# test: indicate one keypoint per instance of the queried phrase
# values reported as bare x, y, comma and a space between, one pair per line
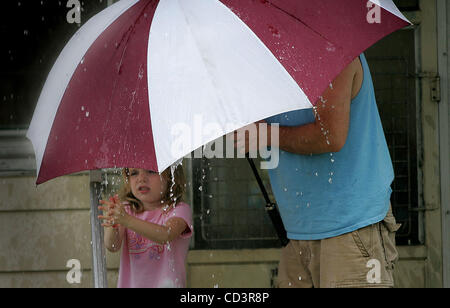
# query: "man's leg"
293, 271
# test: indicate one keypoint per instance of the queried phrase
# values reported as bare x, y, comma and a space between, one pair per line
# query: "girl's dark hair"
176, 184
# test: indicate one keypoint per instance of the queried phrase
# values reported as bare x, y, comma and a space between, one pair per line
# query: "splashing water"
173, 167
141, 72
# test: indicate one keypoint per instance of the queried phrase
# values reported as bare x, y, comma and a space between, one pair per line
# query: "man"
332, 186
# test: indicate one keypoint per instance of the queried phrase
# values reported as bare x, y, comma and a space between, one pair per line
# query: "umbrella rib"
302, 22
128, 33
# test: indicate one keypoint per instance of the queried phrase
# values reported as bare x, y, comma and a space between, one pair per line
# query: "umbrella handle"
270, 207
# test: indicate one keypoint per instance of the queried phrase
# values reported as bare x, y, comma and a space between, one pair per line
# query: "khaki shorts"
362, 258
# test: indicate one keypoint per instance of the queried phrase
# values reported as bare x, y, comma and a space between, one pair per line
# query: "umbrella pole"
98, 246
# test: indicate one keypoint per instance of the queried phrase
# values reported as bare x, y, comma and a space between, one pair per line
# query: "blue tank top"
326, 195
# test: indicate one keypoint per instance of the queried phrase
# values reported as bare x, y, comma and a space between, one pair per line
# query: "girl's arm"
160, 234
113, 238
116, 214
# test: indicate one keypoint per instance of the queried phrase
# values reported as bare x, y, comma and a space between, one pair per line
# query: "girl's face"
147, 186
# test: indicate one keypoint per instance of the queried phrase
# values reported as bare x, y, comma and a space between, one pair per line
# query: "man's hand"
251, 137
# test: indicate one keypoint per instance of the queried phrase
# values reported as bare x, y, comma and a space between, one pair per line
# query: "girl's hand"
113, 212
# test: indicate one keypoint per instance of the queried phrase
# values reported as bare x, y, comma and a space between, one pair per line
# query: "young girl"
153, 225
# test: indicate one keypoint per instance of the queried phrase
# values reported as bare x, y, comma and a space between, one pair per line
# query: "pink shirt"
146, 264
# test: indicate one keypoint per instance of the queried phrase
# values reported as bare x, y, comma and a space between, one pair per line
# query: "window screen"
392, 64
229, 207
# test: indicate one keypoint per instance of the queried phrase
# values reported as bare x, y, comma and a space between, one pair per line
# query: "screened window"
393, 68
229, 207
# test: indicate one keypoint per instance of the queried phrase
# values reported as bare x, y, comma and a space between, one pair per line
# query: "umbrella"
139, 68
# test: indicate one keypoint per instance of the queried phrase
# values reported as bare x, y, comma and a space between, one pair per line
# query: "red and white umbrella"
139, 67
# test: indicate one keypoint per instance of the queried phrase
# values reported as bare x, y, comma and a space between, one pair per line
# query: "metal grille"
229, 206
393, 67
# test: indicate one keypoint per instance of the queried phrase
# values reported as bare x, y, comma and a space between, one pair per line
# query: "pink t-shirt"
146, 264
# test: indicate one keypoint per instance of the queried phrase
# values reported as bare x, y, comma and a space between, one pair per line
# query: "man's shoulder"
358, 76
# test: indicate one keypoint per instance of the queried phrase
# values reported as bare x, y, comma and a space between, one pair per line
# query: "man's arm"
329, 132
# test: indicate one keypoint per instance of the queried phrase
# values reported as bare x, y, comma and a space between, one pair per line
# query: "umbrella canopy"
138, 68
